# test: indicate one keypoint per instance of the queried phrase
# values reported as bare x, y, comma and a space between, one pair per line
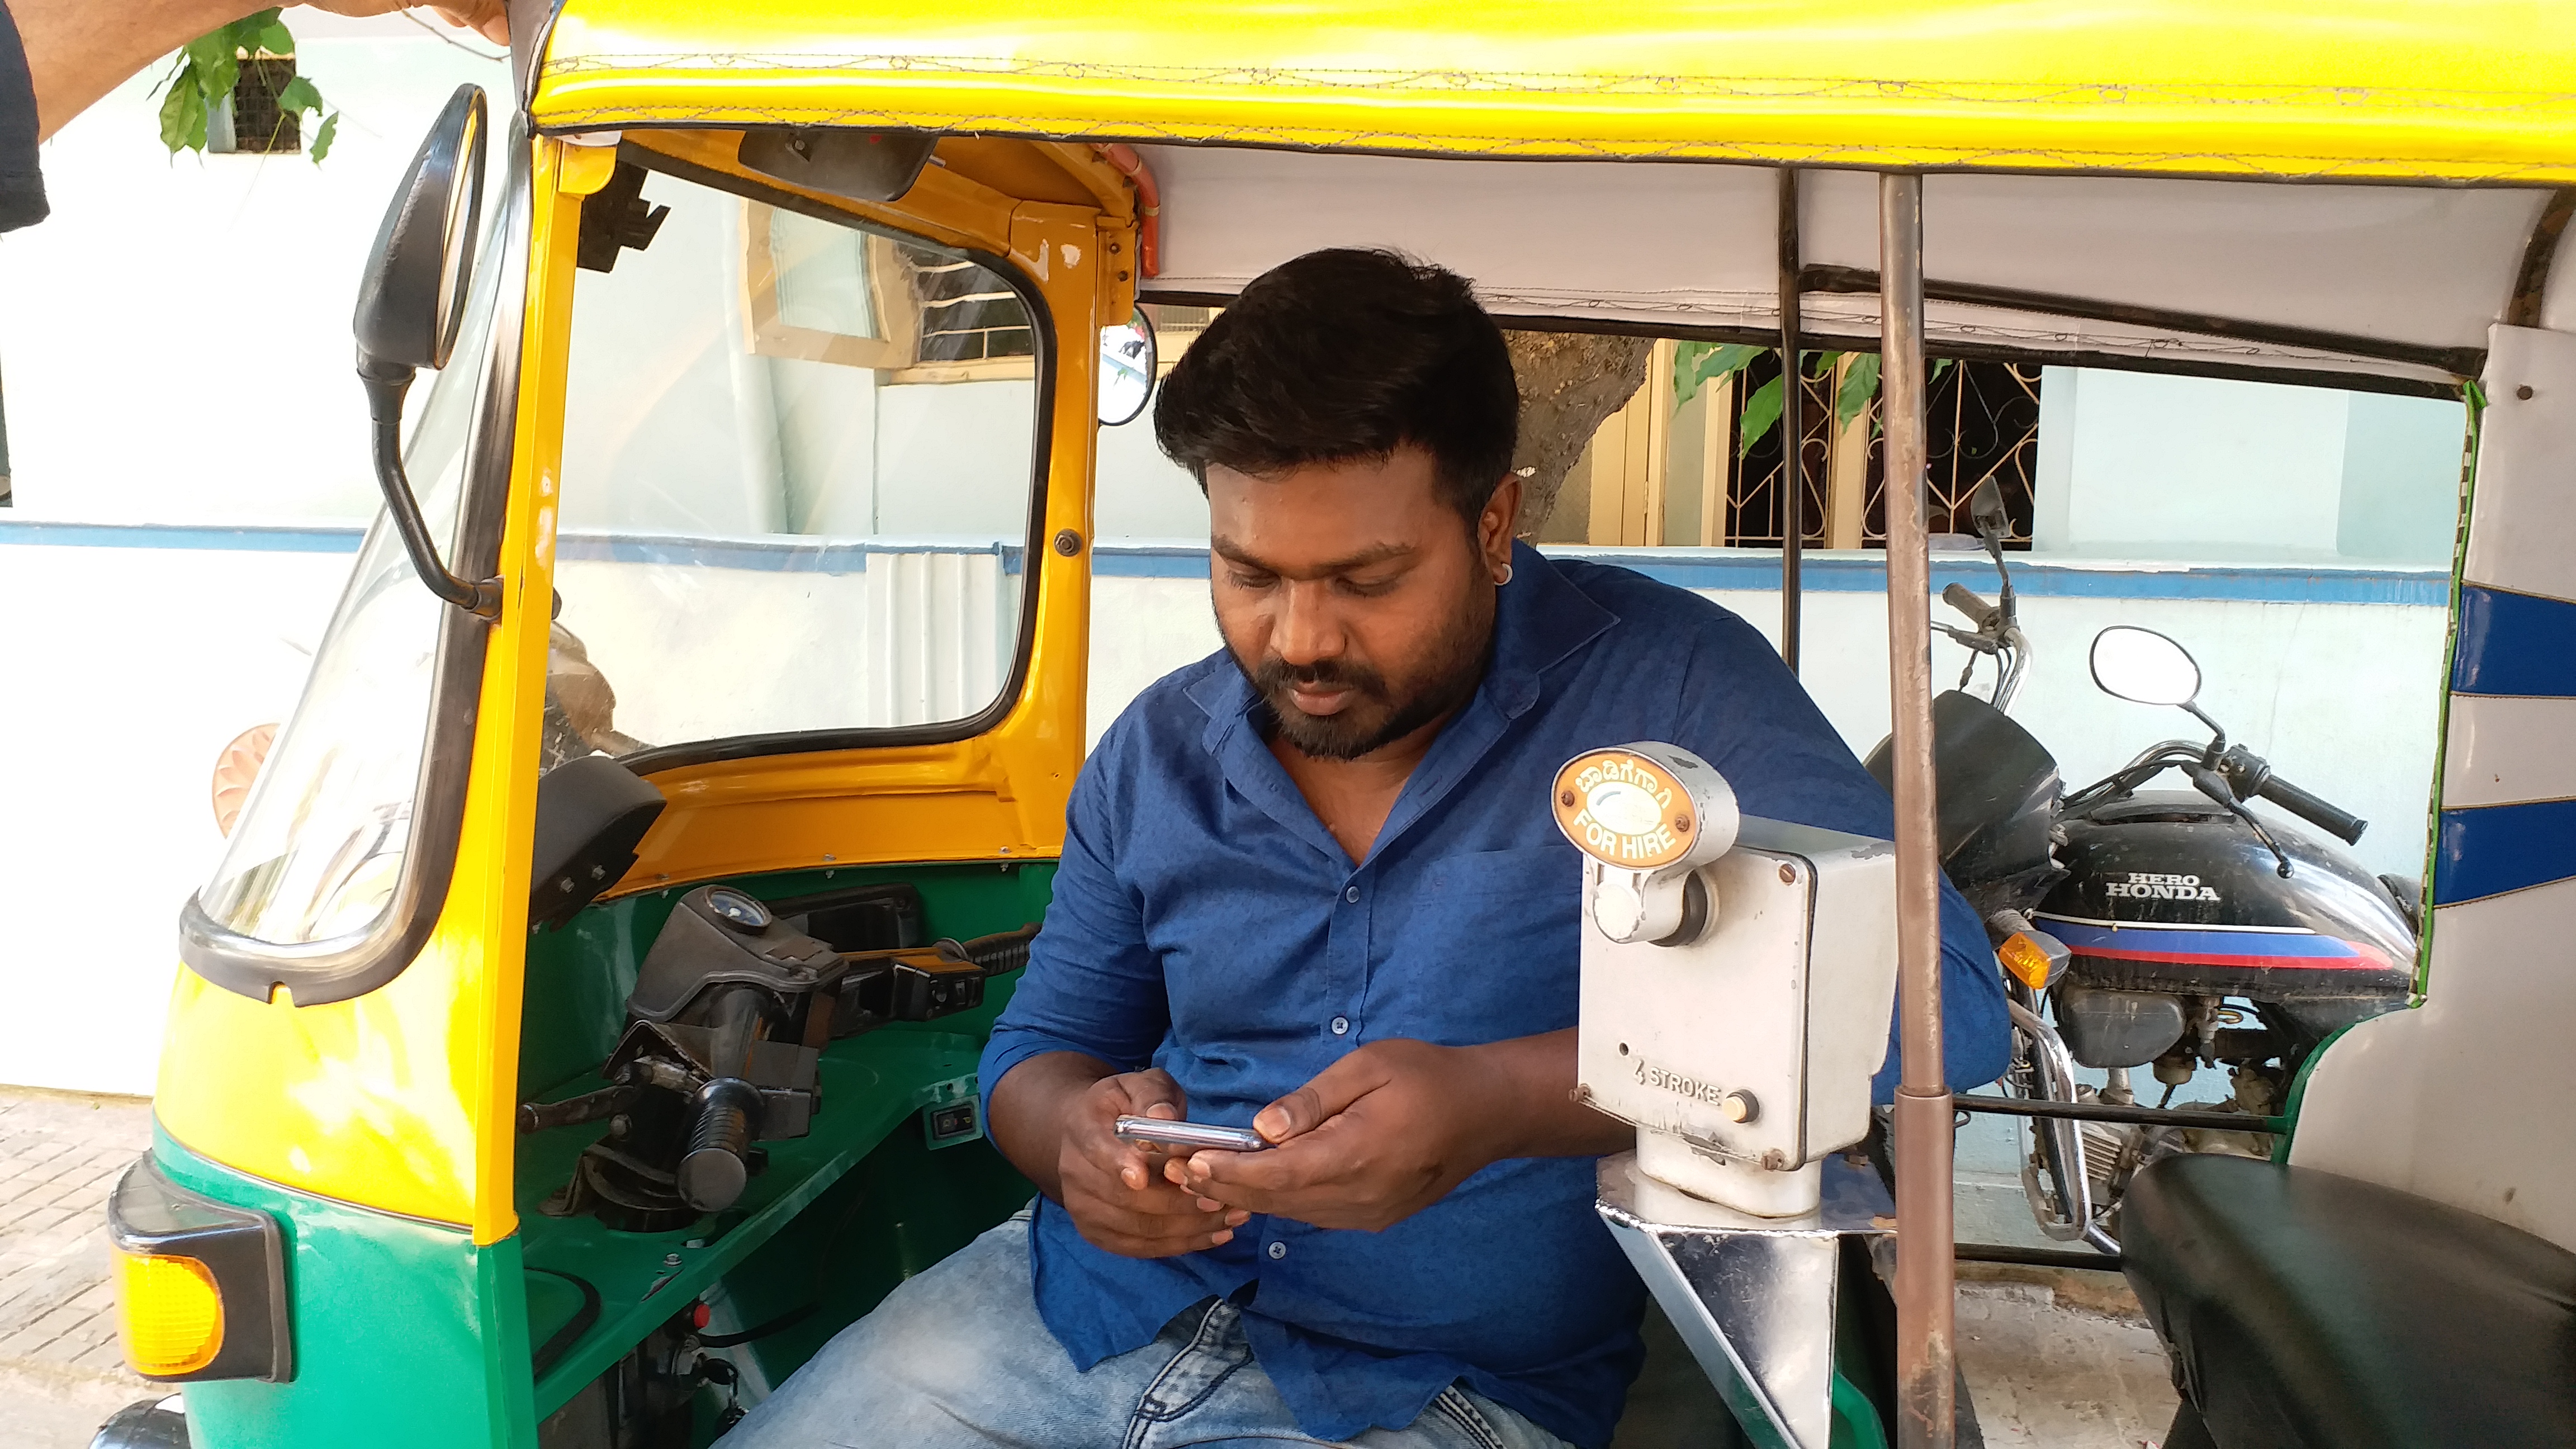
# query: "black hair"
1344, 355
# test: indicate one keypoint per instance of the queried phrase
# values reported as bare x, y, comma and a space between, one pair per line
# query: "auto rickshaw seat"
2309, 1310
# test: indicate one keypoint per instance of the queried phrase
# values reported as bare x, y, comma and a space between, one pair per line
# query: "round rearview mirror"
1127, 362
2144, 667
411, 298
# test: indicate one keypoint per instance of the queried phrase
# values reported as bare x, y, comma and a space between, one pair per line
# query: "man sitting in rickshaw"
1311, 883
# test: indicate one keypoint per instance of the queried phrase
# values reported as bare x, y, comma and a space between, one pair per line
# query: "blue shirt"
1206, 922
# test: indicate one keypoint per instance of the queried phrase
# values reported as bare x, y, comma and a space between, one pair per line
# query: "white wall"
1141, 493
175, 340
127, 672
2142, 465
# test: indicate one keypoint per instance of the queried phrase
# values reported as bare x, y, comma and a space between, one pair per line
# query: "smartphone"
1185, 1137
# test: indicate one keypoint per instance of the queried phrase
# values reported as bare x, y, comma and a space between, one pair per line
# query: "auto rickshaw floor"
2054, 1361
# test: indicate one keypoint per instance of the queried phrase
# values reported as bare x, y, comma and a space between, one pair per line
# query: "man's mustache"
1275, 674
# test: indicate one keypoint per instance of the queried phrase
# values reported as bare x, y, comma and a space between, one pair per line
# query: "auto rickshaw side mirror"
1128, 363
411, 304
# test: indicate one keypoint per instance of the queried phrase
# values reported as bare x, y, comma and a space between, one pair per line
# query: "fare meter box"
1739, 976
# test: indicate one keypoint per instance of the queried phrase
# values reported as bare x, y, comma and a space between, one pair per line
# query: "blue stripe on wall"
284, 538
2514, 644
2499, 848
1743, 570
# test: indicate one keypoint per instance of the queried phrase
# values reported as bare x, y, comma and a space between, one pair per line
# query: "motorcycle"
2162, 928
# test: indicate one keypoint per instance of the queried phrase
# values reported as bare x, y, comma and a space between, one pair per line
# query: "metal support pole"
1926, 1398
1793, 424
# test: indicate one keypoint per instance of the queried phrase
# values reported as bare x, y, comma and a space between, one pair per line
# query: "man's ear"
1494, 525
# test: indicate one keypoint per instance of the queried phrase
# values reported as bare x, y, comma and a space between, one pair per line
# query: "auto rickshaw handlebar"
724, 1117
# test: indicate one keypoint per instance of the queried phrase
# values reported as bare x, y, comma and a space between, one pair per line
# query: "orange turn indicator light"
169, 1312
2026, 959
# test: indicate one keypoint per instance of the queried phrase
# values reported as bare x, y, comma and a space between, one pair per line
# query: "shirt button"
1278, 1251
1352, 895
1341, 1026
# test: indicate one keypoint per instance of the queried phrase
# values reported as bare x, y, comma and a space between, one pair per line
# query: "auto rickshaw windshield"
319, 847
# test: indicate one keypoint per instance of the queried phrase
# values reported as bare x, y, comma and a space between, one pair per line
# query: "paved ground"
2061, 1361
2055, 1360
60, 1370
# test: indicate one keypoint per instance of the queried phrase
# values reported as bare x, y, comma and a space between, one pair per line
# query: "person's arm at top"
1068, 1056
79, 50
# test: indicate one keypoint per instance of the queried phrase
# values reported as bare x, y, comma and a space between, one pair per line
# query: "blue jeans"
958, 1357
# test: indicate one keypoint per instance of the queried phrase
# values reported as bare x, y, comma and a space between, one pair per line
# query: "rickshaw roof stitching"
2299, 89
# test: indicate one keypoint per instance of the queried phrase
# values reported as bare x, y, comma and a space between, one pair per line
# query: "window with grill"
250, 120
1708, 471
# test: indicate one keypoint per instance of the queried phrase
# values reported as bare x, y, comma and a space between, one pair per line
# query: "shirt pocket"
1490, 949
1535, 873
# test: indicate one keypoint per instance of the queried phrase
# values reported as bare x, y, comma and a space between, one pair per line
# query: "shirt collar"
1539, 619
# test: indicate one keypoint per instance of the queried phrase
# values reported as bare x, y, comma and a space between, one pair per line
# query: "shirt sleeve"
1746, 714
1092, 984
22, 185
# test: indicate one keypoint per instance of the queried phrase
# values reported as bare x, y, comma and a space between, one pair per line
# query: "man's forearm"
1026, 1116
79, 50
1533, 1112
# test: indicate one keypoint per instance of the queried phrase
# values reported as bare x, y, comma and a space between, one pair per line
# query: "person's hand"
1375, 1138
489, 18
1115, 1191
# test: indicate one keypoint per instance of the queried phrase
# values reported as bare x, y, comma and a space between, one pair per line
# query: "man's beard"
1375, 718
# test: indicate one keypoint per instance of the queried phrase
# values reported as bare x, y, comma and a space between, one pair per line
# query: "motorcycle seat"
2308, 1310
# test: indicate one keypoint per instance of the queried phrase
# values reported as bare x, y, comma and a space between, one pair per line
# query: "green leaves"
300, 96
1761, 410
1860, 384
209, 69
1695, 363
183, 114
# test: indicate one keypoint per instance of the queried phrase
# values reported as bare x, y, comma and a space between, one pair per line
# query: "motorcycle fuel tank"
2166, 891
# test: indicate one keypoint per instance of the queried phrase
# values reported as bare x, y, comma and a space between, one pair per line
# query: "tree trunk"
1570, 383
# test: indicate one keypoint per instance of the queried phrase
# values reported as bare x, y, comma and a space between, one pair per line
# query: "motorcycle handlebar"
2250, 778
2317, 812
1965, 600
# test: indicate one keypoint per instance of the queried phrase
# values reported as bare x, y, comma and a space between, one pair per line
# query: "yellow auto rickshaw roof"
2345, 89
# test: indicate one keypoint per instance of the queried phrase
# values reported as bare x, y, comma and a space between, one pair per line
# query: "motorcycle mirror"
2144, 667
1986, 511
1127, 364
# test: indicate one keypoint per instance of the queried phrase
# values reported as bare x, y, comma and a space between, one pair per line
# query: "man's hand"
1388, 1130
1375, 1138
488, 18
1054, 1116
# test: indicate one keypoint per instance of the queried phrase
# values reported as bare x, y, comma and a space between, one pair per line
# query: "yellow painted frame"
2309, 89
405, 1099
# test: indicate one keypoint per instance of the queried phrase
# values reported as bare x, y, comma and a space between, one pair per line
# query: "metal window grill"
967, 313
1983, 421
259, 124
